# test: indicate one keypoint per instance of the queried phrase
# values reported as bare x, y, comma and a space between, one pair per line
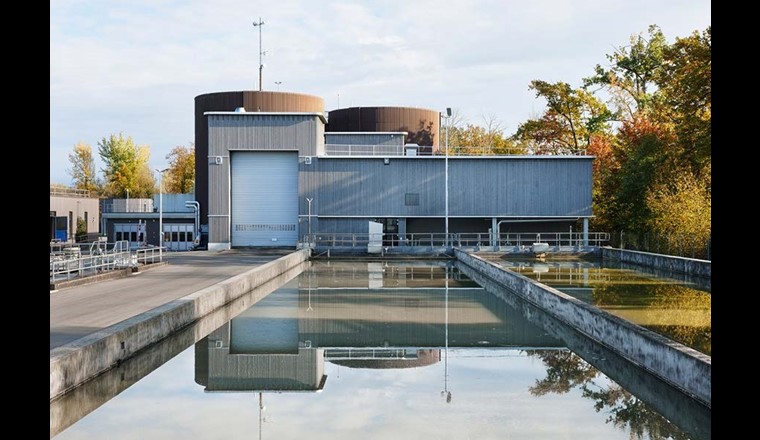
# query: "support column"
585, 231
494, 232
402, 231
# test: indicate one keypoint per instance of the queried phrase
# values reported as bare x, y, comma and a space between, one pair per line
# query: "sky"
136, 67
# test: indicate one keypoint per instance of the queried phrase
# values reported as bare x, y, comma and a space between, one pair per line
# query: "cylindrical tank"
252, 101
422, 125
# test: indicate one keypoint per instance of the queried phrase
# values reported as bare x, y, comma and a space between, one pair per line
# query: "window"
412, 199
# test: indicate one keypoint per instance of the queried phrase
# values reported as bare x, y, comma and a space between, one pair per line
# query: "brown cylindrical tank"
252, 101
422, 124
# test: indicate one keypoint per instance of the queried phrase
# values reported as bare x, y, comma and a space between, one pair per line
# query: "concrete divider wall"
681, 366
690, 266
85, 358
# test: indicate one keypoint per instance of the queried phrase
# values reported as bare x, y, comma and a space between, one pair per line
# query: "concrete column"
402, 231
585, 231
494, 232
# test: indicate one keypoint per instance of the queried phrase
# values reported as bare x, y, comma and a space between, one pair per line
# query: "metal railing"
64, 191
554, 239
69, 261
363, 150
680, 245
520, 239
486, 150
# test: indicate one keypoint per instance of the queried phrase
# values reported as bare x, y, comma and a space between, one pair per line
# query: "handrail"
475, 239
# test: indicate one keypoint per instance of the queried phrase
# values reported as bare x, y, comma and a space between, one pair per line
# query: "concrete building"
67, 207
268, 179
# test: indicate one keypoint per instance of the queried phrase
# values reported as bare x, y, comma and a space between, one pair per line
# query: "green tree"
126, 167
82, 169
572, 117
477, 140
630, 79
180, 178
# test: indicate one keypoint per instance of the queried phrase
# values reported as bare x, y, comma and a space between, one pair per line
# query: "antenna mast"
261, 65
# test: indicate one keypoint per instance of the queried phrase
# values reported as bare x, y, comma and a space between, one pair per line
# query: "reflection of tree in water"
566, 370
678, 312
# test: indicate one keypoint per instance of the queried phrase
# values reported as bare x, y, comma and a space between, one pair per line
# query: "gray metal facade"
231, 131
503, 186
346, 192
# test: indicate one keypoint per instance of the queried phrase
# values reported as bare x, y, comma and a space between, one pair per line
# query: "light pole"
278, 85
261, 65
161, 212
446, 196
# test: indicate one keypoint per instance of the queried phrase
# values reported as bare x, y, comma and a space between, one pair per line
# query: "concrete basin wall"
681, 366
79, 361
690, 266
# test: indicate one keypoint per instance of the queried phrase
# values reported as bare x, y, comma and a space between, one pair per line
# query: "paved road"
79, 311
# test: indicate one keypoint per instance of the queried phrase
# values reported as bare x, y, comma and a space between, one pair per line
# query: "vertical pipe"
585, 231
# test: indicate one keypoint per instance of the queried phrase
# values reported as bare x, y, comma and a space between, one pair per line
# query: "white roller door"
264, 198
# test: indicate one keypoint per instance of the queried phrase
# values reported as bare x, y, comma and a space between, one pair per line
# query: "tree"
681, 210
631, 76
685, 95
572, 117
180, 179
82, 169
126, 167
486, 139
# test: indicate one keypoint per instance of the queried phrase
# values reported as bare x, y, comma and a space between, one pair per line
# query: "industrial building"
68, 207
272, 168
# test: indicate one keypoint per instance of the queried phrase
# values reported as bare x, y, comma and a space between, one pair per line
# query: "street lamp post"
161, 213
278, 85
446, 196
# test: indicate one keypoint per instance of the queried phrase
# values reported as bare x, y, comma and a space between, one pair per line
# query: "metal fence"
69, 261
681, 245
554, 239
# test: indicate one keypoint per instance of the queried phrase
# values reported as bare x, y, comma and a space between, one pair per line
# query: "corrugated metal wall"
229, 101
302, 133
249, 131
478, 187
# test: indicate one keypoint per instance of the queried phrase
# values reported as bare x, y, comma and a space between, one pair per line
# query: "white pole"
161, 213
446, 196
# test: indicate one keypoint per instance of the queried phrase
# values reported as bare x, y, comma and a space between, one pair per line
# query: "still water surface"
390, 350
680, 309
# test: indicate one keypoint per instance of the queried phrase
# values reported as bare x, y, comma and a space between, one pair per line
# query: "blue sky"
135, 67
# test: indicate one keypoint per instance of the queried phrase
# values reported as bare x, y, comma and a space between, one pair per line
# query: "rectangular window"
133, 236
412, 199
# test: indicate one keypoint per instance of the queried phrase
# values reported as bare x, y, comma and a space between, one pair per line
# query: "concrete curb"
689, 266
81, 360
683, 367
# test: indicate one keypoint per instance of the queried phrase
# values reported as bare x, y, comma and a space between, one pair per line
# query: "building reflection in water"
403, 317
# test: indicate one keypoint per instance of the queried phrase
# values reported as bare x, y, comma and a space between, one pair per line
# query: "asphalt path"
78, 311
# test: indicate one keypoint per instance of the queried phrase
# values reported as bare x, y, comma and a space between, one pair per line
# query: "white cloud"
137, 66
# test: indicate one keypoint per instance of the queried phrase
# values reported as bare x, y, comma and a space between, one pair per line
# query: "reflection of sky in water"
490, 399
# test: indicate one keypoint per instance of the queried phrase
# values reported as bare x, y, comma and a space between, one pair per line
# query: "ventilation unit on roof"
240, 110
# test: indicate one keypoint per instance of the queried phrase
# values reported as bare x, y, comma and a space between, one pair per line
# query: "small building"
69, 208
137, 221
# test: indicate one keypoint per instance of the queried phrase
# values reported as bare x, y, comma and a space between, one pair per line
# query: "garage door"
264, 198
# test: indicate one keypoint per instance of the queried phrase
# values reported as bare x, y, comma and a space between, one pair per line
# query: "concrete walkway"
79, 311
